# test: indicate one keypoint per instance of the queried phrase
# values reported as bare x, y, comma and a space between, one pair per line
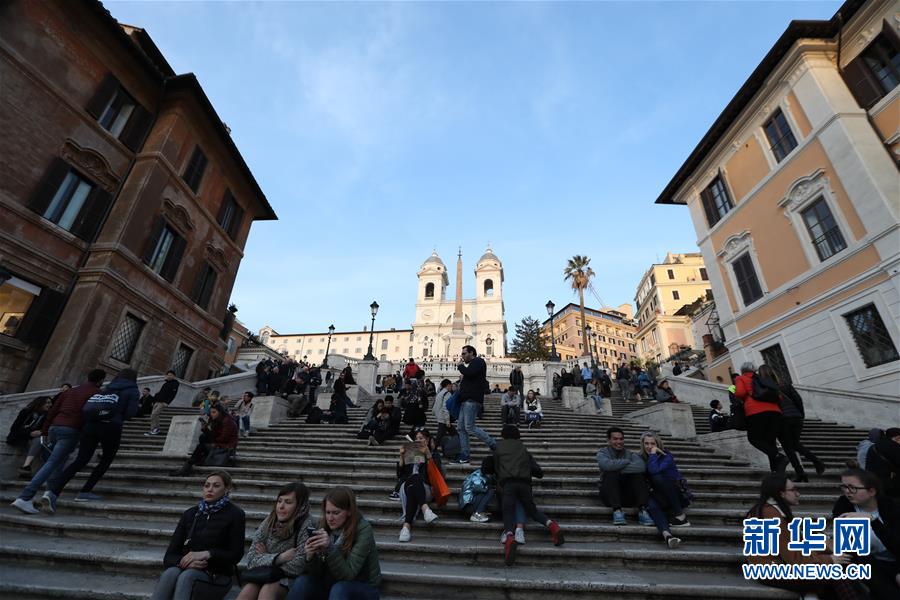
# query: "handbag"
218, 457
439, 488
265, 573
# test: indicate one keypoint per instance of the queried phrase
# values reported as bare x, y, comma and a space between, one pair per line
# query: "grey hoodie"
625, 461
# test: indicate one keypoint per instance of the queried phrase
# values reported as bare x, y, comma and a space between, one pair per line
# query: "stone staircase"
112, 549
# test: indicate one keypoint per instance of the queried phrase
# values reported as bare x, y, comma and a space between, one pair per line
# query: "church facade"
442, 324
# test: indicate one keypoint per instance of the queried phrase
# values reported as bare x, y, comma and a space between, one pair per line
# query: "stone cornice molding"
178, 216
216, 257
734, 245
802, 190
92, 163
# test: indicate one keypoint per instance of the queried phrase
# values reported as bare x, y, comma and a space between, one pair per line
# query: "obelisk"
458, 337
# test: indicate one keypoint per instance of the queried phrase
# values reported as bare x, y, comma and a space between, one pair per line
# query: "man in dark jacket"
63, 428
517, 379
103, 427
883, 459
471, 396
163, 398
515, 466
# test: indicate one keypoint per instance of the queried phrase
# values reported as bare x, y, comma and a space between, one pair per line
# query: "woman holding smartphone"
276, 554
342, 561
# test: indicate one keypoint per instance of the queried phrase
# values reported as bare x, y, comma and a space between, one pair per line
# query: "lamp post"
369, 355
589, 331
596, 353
328, 347
554, 357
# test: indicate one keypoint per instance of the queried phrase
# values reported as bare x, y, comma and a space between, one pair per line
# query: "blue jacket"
663, 464
475, 483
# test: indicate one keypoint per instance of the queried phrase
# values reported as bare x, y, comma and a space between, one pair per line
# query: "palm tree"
579, 274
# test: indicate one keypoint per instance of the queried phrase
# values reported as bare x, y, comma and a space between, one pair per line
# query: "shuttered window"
230, 215
119, 113
780, 136
206, 283
164, 250
716, 201
69, 199
193, 173
876, 71
747, 281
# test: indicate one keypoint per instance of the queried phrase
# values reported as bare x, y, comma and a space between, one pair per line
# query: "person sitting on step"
414, 482
778, 496
862, 497
622, 480
278, 542
593, 393
664, 392
242, 411
668, 488
207, 544
882, 458
510, 406
515, 467
341, 557
218, 441
337, 411
477, 491
26, 431
534, 414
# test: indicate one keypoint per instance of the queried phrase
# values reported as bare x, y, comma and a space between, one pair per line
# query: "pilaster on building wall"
795, 196
125, 204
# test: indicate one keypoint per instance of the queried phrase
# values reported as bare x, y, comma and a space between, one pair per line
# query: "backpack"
100, 408
763, 392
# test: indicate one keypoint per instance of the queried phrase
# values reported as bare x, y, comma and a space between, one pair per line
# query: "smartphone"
310, 531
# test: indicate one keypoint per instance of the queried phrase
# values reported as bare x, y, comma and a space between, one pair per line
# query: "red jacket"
410, 370
224, 432
66, 411
743, 389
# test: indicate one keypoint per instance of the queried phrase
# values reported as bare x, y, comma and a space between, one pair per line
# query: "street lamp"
328, 347
589, 331
554, 357
369, 355
596, 353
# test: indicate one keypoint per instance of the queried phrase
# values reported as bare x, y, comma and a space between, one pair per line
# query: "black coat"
474, 380
167, 392
886, 527
26, 422
883, 459
221, 533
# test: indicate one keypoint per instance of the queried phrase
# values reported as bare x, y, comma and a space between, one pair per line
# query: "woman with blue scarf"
207, 544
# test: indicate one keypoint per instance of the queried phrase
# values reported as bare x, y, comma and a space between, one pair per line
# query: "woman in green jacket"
342, 561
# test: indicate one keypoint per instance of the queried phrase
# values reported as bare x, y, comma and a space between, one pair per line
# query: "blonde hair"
656, 438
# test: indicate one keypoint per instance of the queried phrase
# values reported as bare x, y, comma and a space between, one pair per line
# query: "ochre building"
612, 336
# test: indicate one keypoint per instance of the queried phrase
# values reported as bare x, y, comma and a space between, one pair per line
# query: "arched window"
384, 344
429, 290
488, 287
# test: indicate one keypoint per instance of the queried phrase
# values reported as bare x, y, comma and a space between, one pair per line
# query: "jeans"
105, 435
510, 414
178, 584
483, 500
467, 425
625, 388
667, 493
658, 515
309, 587
519, 492
244, 423
63, 440
598, 401
619, 489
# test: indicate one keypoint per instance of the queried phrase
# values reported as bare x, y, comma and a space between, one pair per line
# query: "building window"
126, 338
410, 351
747, 281
429, 290
321, 350
488, 287
193, 174
781, 139
410, 337
704, 276
871, 336
774, 357
709, 295
823, 230
382, 357
182, 360
165, 251
359, 350
230, 215
68, 201
16, 297
670, 273
384, 344
652, 279
675, 295
206, 283
876, 71
117, 112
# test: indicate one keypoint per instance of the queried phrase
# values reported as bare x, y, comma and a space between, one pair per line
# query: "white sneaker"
405, 534
673, 542
26, 506
429, 515
520, 535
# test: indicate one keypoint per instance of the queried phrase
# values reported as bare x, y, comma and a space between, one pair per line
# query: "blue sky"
380, 132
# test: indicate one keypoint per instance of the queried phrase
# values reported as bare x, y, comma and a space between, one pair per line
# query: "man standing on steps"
163, 398
622, 480
471, 397
517, 378
63, 427
623, 379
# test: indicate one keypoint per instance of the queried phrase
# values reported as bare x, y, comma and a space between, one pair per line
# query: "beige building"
663, 327
612, 334
390, 344
795, 196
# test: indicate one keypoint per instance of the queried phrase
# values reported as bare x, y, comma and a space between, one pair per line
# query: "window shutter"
862, 83
236, 221
208, 277
103, 95
223, 208
48, 186
92, 214
707, 201
193, 174
41, 318
891, 35
136, 129
173, 260
153, 239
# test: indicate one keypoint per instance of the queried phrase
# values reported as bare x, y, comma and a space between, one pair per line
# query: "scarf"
204, 508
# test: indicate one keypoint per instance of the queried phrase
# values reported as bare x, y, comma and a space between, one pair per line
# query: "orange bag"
439, 488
